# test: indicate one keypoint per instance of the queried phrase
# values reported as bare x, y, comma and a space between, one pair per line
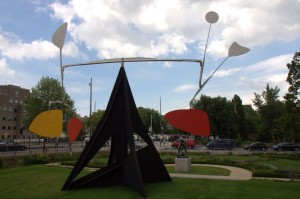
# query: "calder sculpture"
125, 165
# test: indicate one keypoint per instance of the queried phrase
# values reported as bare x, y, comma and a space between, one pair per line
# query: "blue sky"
100, 29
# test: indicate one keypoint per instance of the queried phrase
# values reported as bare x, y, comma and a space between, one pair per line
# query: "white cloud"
35, 50
5, 71
167, 64
272, 71
71, 50
273, 64
226, 72
257, 23
255, 84
159, 28
185, 87
13, 48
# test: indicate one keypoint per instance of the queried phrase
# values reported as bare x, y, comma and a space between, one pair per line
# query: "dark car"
12, 146
221, 144
189, 143
286, 146
256, 146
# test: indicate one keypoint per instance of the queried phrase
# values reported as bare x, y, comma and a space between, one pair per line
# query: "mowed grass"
202, 170
38, 182
279, 162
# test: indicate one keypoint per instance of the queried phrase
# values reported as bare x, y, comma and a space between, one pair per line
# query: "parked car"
286, 146
2, 146
12, 146
221, 144
256, 146
175, 137
189, 143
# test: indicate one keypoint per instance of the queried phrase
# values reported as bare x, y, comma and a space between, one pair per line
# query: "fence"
39, 146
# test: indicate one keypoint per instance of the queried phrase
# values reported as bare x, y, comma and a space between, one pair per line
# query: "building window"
9, 128
4, 118
15, 119
15, 128
3, 128
10, 109
16, 110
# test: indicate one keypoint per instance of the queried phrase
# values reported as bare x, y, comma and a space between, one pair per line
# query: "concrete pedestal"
183, 164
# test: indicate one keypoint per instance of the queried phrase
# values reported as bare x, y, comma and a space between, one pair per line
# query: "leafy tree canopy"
269, 108
47, 90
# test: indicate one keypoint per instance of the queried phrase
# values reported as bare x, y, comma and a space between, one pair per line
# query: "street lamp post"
91, 87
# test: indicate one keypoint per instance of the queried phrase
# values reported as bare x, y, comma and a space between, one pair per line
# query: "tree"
251, 121
293, 79
221, 115
289, 124
146, 114
240, 116
47, 89
269, 108
87, 123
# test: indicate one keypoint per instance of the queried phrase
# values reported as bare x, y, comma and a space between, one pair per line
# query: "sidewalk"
235, 173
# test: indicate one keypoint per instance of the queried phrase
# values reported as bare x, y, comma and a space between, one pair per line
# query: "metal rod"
61, 68
141, 59
202, 85
203, 61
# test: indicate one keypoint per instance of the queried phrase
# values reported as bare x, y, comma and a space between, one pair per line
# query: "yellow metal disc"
48, 123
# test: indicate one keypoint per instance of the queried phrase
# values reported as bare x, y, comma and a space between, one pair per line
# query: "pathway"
235, 173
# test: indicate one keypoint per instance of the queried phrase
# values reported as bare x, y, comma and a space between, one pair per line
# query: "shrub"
36, 159
1, 163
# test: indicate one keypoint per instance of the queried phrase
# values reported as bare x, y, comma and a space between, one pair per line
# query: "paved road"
78, 147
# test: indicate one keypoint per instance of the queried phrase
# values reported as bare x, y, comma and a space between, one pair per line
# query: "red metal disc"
73, 127
190, 120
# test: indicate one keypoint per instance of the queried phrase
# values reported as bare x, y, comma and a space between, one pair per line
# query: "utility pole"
151, 130
91, 87
160, 116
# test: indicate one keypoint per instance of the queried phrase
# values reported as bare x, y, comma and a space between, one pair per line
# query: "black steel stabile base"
125, 166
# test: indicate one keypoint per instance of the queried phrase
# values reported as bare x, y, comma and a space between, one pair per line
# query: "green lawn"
202, 170
240, 158
285, 164
280, 162
38, 182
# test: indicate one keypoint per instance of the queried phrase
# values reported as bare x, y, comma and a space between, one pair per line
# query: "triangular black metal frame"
125, 166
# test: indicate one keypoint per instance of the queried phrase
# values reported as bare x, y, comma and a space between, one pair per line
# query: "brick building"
12, 111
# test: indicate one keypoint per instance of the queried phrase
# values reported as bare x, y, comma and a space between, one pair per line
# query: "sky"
177, 29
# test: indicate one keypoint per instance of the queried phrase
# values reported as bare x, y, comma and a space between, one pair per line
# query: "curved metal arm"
57, 102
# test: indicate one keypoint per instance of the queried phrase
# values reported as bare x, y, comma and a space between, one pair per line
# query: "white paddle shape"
235, 50
58, 37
